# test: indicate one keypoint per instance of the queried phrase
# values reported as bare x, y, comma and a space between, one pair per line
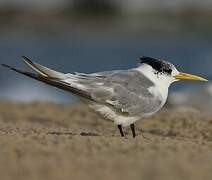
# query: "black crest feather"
159, 65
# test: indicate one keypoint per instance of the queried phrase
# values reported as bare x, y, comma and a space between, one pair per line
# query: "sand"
41, 141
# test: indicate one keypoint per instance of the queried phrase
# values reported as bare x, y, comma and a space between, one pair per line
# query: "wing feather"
126, 91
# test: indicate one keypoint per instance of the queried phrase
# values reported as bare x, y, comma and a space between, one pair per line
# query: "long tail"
44, 71
49, 77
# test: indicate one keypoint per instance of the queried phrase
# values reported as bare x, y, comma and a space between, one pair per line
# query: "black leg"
132, 126
121, 131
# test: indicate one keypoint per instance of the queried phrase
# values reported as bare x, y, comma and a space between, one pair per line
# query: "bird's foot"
121, 130
132, 126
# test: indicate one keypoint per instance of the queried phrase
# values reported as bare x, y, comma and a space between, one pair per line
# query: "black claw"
132, 126
121, 131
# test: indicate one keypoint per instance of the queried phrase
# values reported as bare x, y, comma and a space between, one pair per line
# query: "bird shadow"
140, 132
159, 132
57, 133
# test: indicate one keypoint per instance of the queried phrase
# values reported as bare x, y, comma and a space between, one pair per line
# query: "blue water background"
189, 54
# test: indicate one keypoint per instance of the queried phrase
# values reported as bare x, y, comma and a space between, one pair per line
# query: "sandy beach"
51, 142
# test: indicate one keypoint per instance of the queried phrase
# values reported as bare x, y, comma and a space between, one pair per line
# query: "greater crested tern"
123, 96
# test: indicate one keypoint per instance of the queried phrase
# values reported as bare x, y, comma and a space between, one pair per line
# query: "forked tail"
48, 76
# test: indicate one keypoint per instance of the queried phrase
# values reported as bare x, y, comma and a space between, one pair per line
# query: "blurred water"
90, 55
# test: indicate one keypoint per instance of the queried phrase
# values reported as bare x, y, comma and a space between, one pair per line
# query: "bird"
121, 96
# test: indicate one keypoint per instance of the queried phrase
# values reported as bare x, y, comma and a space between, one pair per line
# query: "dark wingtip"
5, 65
25, 58
10, 67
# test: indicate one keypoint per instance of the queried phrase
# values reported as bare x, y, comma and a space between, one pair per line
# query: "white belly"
110, 114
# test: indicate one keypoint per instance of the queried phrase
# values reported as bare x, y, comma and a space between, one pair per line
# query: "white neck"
161, 81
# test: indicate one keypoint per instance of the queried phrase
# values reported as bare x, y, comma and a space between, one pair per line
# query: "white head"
163, 73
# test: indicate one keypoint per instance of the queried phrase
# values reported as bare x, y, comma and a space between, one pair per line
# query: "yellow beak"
185, 76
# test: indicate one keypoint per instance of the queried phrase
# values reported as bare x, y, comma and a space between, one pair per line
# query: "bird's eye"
169, 71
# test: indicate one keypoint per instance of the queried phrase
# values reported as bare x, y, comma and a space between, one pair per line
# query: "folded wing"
125, 91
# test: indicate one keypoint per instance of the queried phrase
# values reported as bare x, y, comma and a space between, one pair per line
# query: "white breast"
159, 93
161, 82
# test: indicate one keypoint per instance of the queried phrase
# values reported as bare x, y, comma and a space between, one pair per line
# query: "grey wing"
126, 91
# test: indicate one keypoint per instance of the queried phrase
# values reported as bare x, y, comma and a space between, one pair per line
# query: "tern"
123, 96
